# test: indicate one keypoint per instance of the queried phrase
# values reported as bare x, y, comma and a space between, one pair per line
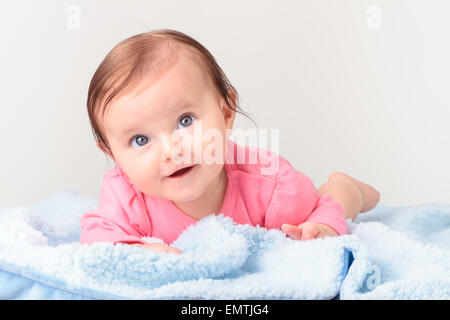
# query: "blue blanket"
391, 253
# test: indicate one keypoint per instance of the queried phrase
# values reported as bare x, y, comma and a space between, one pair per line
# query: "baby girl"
149, 96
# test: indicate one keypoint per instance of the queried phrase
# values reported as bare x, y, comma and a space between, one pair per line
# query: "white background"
346, 95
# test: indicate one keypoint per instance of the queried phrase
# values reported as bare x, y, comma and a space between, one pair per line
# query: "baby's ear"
102, 149
227, 112
232, 96
98, 146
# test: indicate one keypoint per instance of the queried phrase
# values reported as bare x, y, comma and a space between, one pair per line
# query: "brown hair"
128, 62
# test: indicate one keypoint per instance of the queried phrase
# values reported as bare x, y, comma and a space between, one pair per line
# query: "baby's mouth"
181, 172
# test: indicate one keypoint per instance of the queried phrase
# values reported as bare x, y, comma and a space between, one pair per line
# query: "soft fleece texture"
398, 252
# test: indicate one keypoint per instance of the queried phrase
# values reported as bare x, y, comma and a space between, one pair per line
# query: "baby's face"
145, 128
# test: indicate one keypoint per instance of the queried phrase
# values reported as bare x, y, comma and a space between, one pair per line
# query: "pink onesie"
125, 215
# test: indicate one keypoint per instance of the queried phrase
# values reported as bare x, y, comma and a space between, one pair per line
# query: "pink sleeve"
120, 216
329, 212
295, 200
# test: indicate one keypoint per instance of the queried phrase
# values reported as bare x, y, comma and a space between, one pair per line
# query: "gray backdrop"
354, 86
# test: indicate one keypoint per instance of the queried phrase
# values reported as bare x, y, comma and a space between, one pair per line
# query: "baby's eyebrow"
175, 110
127, 130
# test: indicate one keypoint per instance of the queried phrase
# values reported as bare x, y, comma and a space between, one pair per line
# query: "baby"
160, 97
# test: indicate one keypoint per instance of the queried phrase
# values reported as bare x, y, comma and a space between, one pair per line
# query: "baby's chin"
175, 198
185, 197
181, 195
187, 194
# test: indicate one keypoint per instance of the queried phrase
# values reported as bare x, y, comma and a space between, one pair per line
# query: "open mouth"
181, 172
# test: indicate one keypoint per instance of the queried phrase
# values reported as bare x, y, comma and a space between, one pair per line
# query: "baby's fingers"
309, 231
159, 247
173, 250
292, 231
304, 231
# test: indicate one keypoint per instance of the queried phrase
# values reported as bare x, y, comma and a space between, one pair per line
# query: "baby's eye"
139, 140
186, 121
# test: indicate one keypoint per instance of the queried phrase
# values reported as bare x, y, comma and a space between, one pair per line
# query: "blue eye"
186, 121
139, 140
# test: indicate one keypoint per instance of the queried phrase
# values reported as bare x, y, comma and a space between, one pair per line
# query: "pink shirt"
125, 214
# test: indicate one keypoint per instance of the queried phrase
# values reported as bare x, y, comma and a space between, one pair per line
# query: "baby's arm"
326, 220
119, 218
97, 228
299, 210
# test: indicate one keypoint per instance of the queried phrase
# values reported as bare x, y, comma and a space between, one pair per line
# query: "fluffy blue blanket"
391, 253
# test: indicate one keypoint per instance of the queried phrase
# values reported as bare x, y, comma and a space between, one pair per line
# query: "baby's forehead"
174, 53
184, 55
185, 63
157, 64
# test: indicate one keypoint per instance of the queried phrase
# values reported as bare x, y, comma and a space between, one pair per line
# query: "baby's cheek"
151, 191
147, 184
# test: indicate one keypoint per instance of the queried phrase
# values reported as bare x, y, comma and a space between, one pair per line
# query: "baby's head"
147, 96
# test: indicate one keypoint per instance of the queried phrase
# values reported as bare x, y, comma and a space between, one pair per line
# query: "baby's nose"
168, 149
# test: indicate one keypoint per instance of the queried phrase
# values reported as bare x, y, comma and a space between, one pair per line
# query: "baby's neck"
209, 202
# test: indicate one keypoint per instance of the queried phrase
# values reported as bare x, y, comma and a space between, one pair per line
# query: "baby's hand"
158, 247
308, 230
